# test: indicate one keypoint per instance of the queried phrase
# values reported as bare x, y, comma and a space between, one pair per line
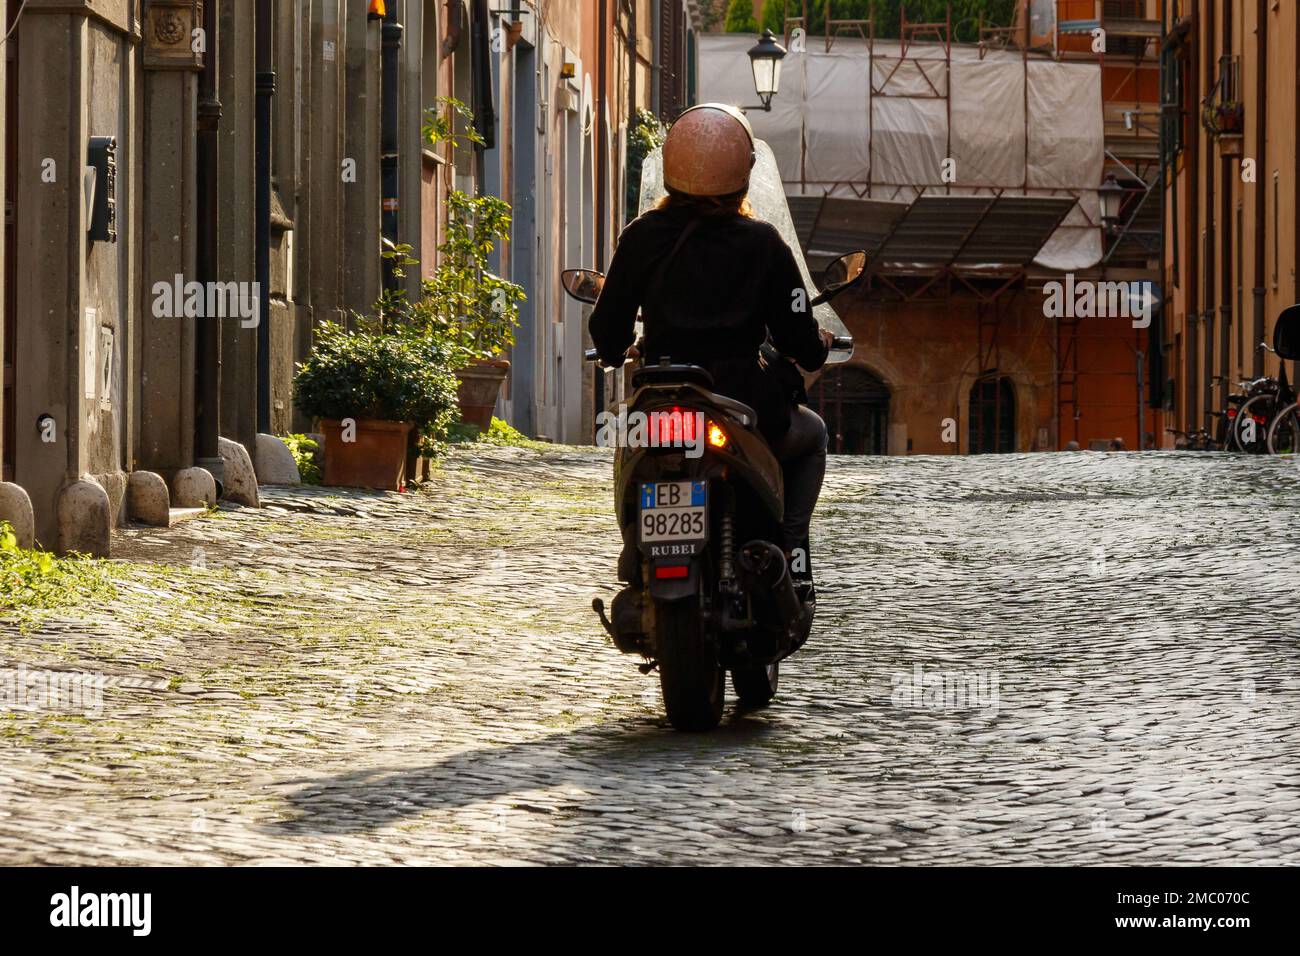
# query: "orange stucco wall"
928, 354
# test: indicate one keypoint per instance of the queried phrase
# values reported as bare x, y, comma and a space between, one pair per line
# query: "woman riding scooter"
712, 284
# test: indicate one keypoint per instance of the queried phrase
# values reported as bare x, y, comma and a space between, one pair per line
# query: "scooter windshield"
767, 197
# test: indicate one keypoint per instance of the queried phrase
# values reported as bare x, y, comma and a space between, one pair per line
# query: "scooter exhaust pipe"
764, 564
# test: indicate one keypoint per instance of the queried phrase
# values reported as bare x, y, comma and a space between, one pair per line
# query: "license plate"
674, 511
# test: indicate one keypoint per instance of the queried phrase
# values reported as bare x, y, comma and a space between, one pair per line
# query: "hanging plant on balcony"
1223, 118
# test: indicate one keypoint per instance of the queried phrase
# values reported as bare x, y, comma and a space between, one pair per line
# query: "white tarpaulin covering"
831, 135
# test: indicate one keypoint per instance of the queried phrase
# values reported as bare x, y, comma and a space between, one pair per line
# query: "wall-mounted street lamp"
765, 60
1111, 194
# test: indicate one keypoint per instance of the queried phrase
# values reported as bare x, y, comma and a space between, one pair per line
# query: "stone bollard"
275, 464
240, 478
194, 488
147, 499
85, 518
16, 508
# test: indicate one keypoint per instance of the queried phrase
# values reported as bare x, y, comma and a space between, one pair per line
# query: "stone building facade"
101, 380
114, 393
1232, 257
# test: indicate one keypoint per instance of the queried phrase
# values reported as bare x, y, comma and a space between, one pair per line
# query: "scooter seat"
662, 374
738, 410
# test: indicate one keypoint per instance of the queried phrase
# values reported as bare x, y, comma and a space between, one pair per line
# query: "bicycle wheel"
1284, 432
1252, 424
1230, 436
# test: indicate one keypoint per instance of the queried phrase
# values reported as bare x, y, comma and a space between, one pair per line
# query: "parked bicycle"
1284, 428
1266, 397
1199, 440
1225, 428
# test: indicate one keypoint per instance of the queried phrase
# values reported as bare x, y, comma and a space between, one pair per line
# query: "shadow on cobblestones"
614, 760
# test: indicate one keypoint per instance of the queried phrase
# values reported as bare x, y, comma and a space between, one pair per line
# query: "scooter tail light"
675, 425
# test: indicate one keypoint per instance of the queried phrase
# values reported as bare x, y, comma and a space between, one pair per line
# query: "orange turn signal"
717, 437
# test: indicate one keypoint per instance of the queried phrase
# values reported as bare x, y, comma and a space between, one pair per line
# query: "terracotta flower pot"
376, 459
480, 384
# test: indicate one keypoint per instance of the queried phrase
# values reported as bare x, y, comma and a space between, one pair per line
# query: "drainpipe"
1295, 283
391, 33
207, 386
632, 65
1225, 237
262, 210
602, 182
1193, 166
1261, 78
1208, 245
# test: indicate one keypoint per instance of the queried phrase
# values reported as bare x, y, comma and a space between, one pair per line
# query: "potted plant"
1224, 118
1230, 117
463, 303
372, 386
467, 307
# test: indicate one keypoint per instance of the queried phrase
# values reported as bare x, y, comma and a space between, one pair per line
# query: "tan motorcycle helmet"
709, 151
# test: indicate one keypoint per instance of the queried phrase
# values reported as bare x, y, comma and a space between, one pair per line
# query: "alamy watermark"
74, 908
665, 428
946, 690
32, 690
1085, 299
207, 300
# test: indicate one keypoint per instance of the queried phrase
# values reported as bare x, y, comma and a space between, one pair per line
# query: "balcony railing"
1222, 112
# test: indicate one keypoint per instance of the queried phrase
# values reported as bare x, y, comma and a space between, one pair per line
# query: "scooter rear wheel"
692, 680
756, 685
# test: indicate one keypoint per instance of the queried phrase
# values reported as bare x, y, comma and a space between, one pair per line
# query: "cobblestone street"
418, 678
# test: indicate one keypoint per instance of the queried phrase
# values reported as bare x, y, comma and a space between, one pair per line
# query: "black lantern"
765, 60
1111, 194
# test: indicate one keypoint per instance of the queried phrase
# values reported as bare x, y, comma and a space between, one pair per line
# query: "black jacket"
731, 283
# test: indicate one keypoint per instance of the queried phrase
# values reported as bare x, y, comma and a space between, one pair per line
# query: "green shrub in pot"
398, 375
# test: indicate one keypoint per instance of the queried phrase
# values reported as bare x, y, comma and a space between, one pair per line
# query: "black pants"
802, 453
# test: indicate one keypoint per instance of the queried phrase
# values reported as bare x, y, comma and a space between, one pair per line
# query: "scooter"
699, 500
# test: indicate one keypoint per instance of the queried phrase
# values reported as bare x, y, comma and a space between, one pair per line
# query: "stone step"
176, 515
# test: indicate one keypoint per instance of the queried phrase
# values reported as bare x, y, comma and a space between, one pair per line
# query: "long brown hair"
736, 204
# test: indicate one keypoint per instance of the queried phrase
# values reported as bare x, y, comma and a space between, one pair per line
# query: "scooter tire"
756, 685
691, 679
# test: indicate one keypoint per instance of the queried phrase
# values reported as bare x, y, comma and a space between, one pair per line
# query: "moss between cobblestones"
256, 621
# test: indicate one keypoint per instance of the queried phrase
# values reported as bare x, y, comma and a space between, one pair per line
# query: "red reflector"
672, 570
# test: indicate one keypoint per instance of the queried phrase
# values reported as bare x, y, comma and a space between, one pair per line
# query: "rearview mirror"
846, 269
583, 284
841, 274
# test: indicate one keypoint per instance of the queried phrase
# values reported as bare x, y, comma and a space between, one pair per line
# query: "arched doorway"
992, 416
855, 405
